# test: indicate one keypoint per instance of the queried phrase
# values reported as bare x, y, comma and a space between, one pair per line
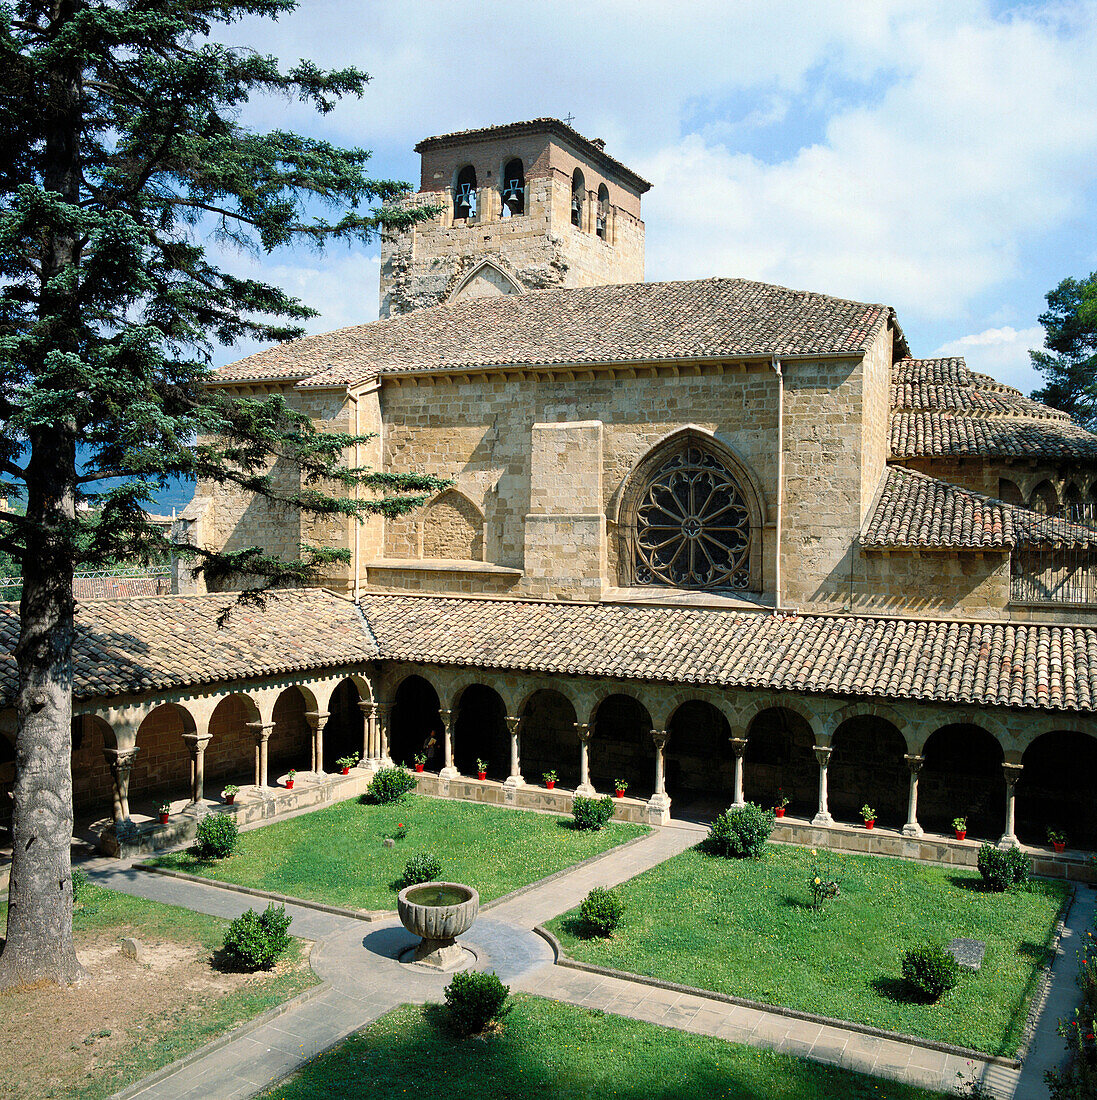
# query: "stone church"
717, 539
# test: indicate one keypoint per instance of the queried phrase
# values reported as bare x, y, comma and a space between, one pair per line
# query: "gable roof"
622, 323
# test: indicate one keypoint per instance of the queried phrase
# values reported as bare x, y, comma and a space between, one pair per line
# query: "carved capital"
660, 737
120, 761
315, 718
368, 708
1012, 773
584, 731
513, 724
261, 731
822, 754
738, 746
445, 716
914, 762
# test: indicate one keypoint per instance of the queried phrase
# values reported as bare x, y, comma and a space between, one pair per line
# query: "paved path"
358, 961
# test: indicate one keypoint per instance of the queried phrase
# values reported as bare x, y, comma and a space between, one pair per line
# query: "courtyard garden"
133, 1016
338, 855
757, 929
559, 1052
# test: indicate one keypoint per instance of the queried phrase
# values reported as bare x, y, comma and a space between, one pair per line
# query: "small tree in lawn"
122, 152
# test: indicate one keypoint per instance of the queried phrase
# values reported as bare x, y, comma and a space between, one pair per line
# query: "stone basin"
438, 912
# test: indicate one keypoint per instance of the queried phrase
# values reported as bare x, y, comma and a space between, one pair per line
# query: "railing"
1044, 572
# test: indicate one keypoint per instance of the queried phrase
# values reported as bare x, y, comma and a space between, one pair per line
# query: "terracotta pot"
163, 819
778, 811
1059, 845
289, 784
870, 824
418, 767
481, 775
345, 771
228, 799
961, 834
550, 783
618, 794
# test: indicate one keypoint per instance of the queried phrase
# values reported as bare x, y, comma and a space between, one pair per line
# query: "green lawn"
335, 855
747, 928
146, 1035
559, 1052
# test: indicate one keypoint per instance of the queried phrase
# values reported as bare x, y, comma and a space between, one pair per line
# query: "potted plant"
481, 769
869, 814
1057, 840
420, 761
781, 803
289, 778
960, 825
165, 809
619, 788
345, 763
230, 793
550, 779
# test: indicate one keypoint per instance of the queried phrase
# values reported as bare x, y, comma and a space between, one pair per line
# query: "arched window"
578, 198
603, 212
464, 196
692, 525
514, 188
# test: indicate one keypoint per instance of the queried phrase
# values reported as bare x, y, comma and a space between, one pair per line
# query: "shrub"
390, 785
255, 940
741, 832
476, 999
85, 893
1001, 870
601, 910
591, 813
931, 970
423, 867
217, 836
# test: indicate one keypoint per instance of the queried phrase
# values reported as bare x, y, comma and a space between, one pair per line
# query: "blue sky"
939, 157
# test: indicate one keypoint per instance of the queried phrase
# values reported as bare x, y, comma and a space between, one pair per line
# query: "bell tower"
527, 206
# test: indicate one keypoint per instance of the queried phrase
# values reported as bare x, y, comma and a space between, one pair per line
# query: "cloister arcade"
1012, 774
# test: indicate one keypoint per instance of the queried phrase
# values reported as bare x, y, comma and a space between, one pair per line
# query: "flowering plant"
481, 765
868, 813
782, 798
822, 885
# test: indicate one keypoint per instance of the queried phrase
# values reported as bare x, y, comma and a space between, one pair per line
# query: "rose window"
693, 526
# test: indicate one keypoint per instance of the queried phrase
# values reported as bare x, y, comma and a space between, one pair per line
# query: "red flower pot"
870, 824
418, 767
345, 771
163, 819
289, 784
228, 799
1059, 845
961, 833
481, 775
618, 794
550, 783
778, 811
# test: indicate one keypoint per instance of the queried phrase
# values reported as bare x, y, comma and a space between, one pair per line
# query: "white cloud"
1000, 352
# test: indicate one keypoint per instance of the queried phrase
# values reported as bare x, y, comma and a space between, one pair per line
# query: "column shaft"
738, 748
515, 779
449, 771
822, 754
584, 732
120, 762
1009, 837
912, 828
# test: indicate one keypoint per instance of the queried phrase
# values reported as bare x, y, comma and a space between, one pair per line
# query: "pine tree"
121, 157
1069, 365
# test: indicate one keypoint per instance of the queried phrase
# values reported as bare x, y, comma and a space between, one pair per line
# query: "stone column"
738, 748
822, 754
261, 731
196, 746
912, 828
659, 803
1012, 773
449, 771
384, 719
515, 778
316, 720
584, 733
120, 762
370, 750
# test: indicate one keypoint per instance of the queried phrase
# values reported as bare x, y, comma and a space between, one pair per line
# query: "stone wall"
971, 584
91, 781
162, 763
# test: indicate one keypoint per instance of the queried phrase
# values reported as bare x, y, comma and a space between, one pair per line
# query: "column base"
912, 828
196, 809
586, 790
822, 818
1009, 840
514, 781
658, 809
448, 773
738, 805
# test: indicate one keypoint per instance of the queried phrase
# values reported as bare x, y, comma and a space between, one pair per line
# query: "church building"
717, 539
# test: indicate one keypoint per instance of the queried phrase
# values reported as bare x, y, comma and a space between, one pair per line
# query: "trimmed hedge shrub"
390, 785
475, 1000
254, 941
424, 867
740, 832
591, 813
601, 910
217, 836
1002, 870
931, 970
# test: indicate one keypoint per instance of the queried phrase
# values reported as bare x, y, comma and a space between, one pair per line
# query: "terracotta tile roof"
99, 588
147, 644
914, 510
991, 664
634, 322
940, 407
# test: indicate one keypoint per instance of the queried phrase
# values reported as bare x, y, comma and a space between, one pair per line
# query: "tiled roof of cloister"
1000, 664
151, 643
625, 323
915, 510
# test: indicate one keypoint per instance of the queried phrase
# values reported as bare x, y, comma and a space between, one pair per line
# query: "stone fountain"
438, 912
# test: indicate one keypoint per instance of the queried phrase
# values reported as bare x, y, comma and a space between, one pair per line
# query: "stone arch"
779, 759
415, 725
512, 187
230, 754
899, 721
452, 528
700, 768
797, 704
480, 731
621, 746
91, 779
962, 777
465, 199
578, 199
1044, 499
867, 767
548, 741
344, 729
162, 763
290, 744
1010, 492
602, 227
488, 279
1056, 788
